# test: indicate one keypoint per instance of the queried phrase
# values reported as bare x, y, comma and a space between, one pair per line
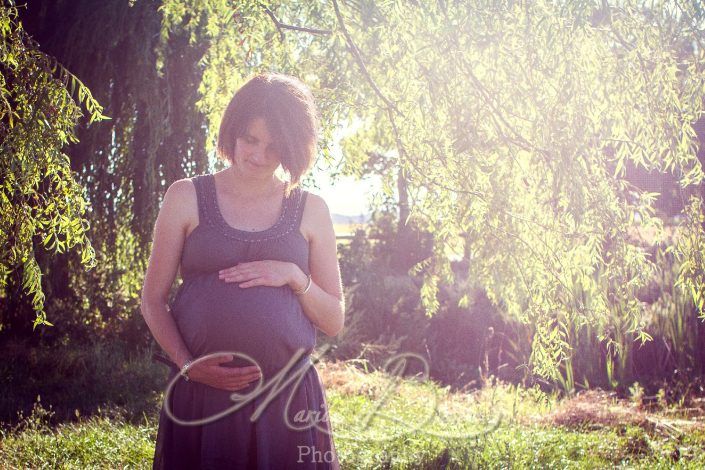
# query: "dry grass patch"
599, 409
347, 379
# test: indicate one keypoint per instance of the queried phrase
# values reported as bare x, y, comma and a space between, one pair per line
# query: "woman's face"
255, 153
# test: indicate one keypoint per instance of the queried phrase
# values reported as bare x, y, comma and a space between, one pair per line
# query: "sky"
345, 196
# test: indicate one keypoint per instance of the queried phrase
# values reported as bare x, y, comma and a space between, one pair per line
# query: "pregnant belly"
265, 323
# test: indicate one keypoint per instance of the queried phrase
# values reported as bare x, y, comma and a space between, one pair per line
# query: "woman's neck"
240, 185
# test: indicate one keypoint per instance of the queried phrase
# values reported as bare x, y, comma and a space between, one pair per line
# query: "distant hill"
345, 225
342, 219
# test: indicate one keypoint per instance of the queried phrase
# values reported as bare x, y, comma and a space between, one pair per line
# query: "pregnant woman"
257, 255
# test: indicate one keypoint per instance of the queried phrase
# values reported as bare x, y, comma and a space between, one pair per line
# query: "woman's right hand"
210, 372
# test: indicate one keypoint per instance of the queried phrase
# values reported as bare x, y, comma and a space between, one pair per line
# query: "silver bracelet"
184, 370
305, 289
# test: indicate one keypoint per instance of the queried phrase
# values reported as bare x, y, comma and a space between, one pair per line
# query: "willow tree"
148, 85
512, 124
42, 205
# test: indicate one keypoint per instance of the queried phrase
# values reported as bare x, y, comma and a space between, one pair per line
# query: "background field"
499, 426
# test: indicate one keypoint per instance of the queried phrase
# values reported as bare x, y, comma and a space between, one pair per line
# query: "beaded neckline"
284, 224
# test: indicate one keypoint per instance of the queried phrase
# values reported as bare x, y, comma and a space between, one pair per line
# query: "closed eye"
252, 140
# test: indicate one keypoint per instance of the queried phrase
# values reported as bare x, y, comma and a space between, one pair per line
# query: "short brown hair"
288, 108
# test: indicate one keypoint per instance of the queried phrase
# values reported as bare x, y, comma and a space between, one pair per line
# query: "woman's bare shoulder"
183, 189
316, 217
182, 203
316, 207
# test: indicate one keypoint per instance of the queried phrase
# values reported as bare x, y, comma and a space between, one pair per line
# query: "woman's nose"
259, 153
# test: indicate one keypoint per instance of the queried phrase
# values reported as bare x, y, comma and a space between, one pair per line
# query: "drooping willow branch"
282, 26
360, 61
391, 109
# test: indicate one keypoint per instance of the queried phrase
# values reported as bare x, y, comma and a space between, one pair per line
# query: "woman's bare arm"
169, 235
180, 207
324, 303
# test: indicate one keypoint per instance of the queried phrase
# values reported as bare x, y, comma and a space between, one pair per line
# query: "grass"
101, 441
79, 379
592, 430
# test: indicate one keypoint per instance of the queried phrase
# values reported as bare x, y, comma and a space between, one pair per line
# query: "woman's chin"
257, 169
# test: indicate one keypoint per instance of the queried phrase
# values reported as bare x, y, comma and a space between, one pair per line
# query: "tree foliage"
42, 205
513, 124
149, 87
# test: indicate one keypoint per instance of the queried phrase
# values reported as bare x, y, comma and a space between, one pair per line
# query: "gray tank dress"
265, 323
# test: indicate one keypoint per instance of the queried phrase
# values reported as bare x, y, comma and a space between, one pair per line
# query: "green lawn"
419, 425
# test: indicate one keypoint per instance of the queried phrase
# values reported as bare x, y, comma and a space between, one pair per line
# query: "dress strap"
200, 182
299, 213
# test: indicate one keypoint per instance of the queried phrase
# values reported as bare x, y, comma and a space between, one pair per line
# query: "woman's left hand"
261, 273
